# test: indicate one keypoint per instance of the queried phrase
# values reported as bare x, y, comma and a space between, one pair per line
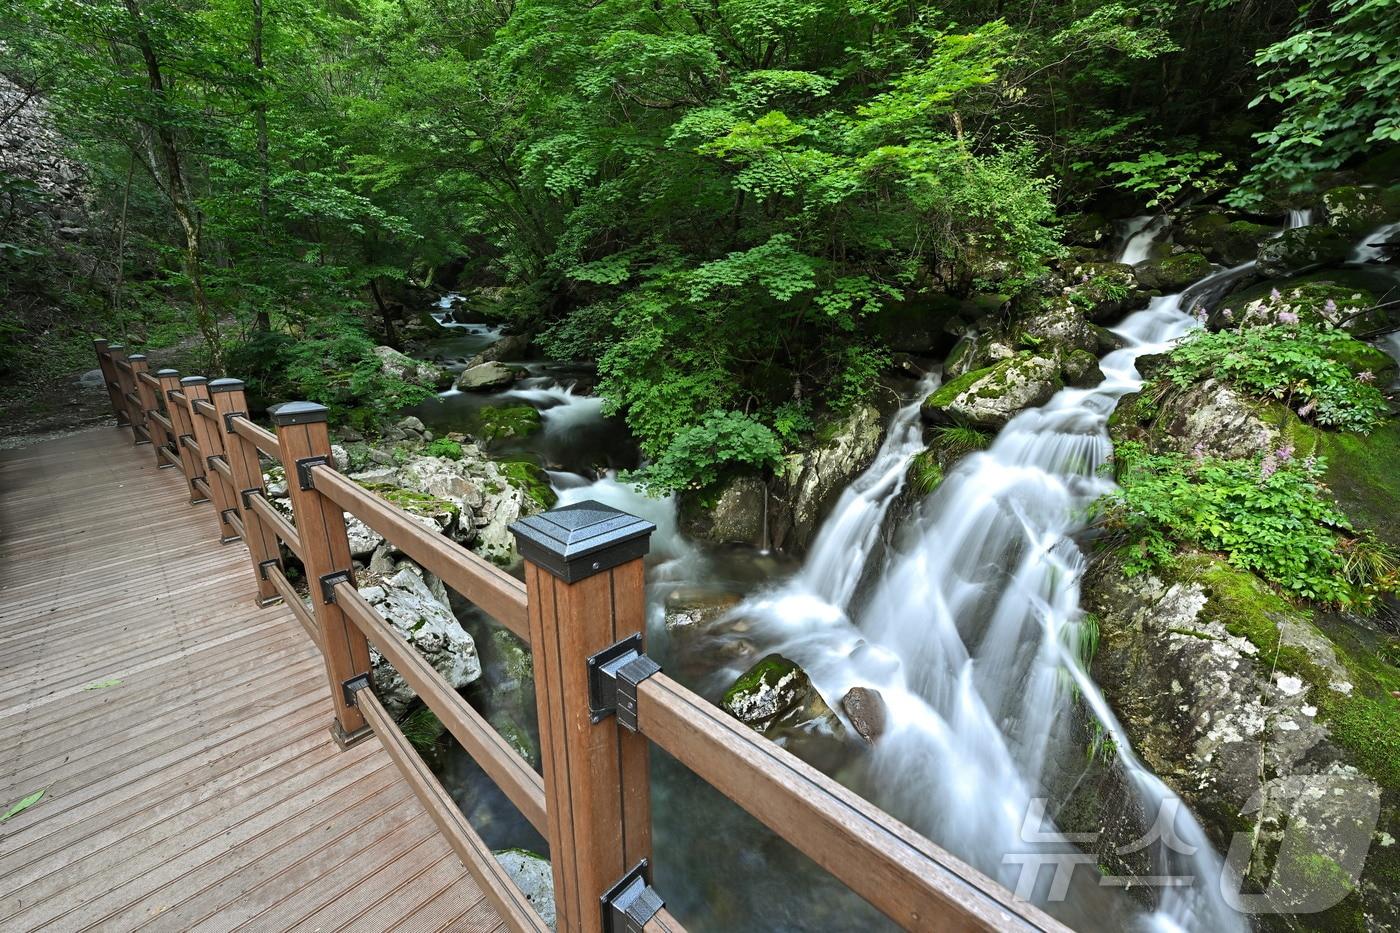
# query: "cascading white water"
970, 627
1300, 217
566, 409
1141, 233
1372, 248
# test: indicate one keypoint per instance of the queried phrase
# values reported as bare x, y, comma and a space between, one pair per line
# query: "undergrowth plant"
1298, 364
1271, 514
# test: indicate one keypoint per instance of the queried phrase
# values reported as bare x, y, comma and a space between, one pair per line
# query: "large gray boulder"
415, 372
1171, 274
990, 397
1302, 248
484, 377
806, 482
1353, 209
423, 619
535, 879
508, 348
735, 513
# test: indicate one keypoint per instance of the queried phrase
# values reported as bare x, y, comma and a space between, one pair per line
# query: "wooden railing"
601, 700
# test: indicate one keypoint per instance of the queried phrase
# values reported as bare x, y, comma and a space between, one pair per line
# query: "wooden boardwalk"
201, 790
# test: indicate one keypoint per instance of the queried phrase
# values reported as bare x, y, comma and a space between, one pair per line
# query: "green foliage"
1300, 365
956, 441
444, 447
698, 455
22, 804
333, 364
1167, 179
925, 472
1271, 514
1337, 87
422, 728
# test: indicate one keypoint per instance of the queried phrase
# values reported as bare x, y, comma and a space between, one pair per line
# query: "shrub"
443, 447
695, 459
1300, 365
1270, 514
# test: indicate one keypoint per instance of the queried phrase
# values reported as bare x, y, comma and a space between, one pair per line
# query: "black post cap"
226, 385
576, 541
298, 413
167, 372
116, 346
137, 356
193, 381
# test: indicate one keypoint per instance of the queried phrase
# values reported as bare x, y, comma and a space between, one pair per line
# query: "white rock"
426, 622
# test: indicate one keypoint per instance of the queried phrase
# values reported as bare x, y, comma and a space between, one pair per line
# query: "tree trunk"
391, 336
262, 322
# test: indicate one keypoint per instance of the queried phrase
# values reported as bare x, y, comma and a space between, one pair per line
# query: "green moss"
514, 656
422, 728
411, 500
532, 479
512, 421
946, 393
1366, 722
768, 671
444, 447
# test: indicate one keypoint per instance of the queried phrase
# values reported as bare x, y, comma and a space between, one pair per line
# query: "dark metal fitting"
262, 568
209, 461
353, 686
170, 394
304, 466
186, 440
330, 581
298, 413
247, 496
577, 541
632, 902
194, 381
225, 385
613, 676
224, 513
228, 420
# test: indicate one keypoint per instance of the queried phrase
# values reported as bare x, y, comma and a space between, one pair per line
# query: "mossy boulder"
776, 698
1200, 229
1220, 236
1088, 229
1352, 210
485, 377
806, 482
531, 479
919, 325
1269, 720
1103, 291
1239, 241
1319, 299
1061, 327
1173, 273
504, 423
990, 397
415, 372
1302, 248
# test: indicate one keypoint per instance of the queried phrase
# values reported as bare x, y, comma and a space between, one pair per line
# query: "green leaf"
24, 804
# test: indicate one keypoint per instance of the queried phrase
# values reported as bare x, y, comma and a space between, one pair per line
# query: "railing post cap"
298, 413
99, 342
136, 357
193, 381
116, 346
226, 385
576, 541
167, 372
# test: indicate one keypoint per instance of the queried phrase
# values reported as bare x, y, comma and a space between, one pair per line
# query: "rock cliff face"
32, 152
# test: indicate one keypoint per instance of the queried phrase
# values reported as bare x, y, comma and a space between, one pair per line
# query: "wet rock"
1206, 419
920, 325
1081, 369
533, 876
1352, 210
486, 376
1089, 229
777, 698
364, 540
735, 513
414, 372
509, 348
1059, 328
866, 710
1302, 248
691, 609
425, 621
806, 483
988, 398
1171, 274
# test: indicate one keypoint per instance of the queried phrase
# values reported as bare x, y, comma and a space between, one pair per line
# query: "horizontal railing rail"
601, 702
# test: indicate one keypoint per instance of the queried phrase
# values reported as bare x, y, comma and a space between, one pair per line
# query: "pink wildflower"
1310, 464
1366, 377
1288, 318
1284, 454
1268, 467
1275, 296
1199, 451
1308, 408
1330, 307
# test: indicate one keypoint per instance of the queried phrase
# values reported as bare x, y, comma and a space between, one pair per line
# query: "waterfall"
1300, 217
1372, 247
1140, 234
969, 631
567, 409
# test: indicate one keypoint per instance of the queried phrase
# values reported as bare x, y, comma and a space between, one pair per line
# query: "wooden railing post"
304, 437
109, 380
140, 424
150, 405
583, 574
179, 422
211, 445
122, 369
168, 380
242, 457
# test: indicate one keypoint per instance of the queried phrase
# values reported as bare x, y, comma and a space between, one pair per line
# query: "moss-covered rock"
777, 698
734, 512
807, 481
531, 479
990, 397
1352, 210
1173, 273
504, 423
1302, 248
1239, 241
1103, 291
1323, 299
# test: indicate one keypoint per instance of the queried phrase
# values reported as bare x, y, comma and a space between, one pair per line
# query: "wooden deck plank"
203, 791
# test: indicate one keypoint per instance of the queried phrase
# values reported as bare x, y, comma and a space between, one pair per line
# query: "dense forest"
1013, 385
